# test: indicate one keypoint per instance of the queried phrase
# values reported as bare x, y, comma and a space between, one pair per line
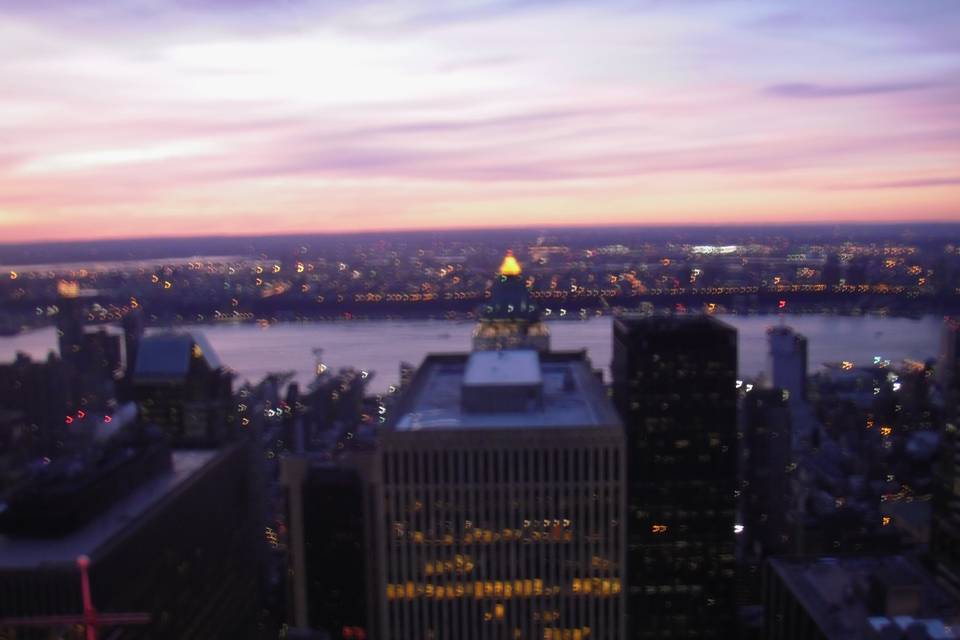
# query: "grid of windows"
503, 534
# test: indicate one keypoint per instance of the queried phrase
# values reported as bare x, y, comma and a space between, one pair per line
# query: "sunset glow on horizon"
206, 117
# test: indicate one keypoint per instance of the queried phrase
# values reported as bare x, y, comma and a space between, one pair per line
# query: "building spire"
509, 266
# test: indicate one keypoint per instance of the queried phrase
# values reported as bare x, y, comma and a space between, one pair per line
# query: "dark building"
674, 384
133, 329
15, 441
765, 484
333, 406
180, 385
335, 588
70, 321
98, 367
788, 362
42, 392
94, 358
176, 547
945, 529
888, 597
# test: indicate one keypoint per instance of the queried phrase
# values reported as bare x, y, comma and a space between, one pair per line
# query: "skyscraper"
788, 362
510, 319
674, 384
945, 530
502, 502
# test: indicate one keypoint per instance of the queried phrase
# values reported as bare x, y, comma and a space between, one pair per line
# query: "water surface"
380, 345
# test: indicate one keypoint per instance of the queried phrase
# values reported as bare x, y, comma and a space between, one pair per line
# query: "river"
380, 345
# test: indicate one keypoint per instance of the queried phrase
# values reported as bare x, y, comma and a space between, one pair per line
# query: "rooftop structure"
168, 355
178, 548
510, 319
499, 368
484, 390
852, 597
509, 266
18, 552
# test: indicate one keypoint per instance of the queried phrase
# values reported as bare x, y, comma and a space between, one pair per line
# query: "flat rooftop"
18, 552
821, 583
503, 368
572, 394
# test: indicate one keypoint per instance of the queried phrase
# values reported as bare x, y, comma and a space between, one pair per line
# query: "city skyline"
155, 119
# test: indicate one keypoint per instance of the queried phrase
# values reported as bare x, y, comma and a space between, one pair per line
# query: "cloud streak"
810, 90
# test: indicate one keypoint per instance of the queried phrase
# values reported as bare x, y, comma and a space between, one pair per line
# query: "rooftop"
167, 355
503, 368
572, 395
835, 590
33, 553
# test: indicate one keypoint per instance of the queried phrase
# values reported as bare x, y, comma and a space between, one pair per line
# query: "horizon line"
476, 229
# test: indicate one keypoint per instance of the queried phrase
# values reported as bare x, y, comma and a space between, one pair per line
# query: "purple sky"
153, 117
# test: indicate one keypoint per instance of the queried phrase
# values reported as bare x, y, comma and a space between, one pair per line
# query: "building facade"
945, 529
502, 504
674, 383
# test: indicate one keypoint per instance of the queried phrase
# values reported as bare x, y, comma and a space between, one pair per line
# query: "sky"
139, 118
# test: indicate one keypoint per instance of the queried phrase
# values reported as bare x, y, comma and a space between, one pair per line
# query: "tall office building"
502, 506
945, 529
788, 362
510, 319
674, 382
